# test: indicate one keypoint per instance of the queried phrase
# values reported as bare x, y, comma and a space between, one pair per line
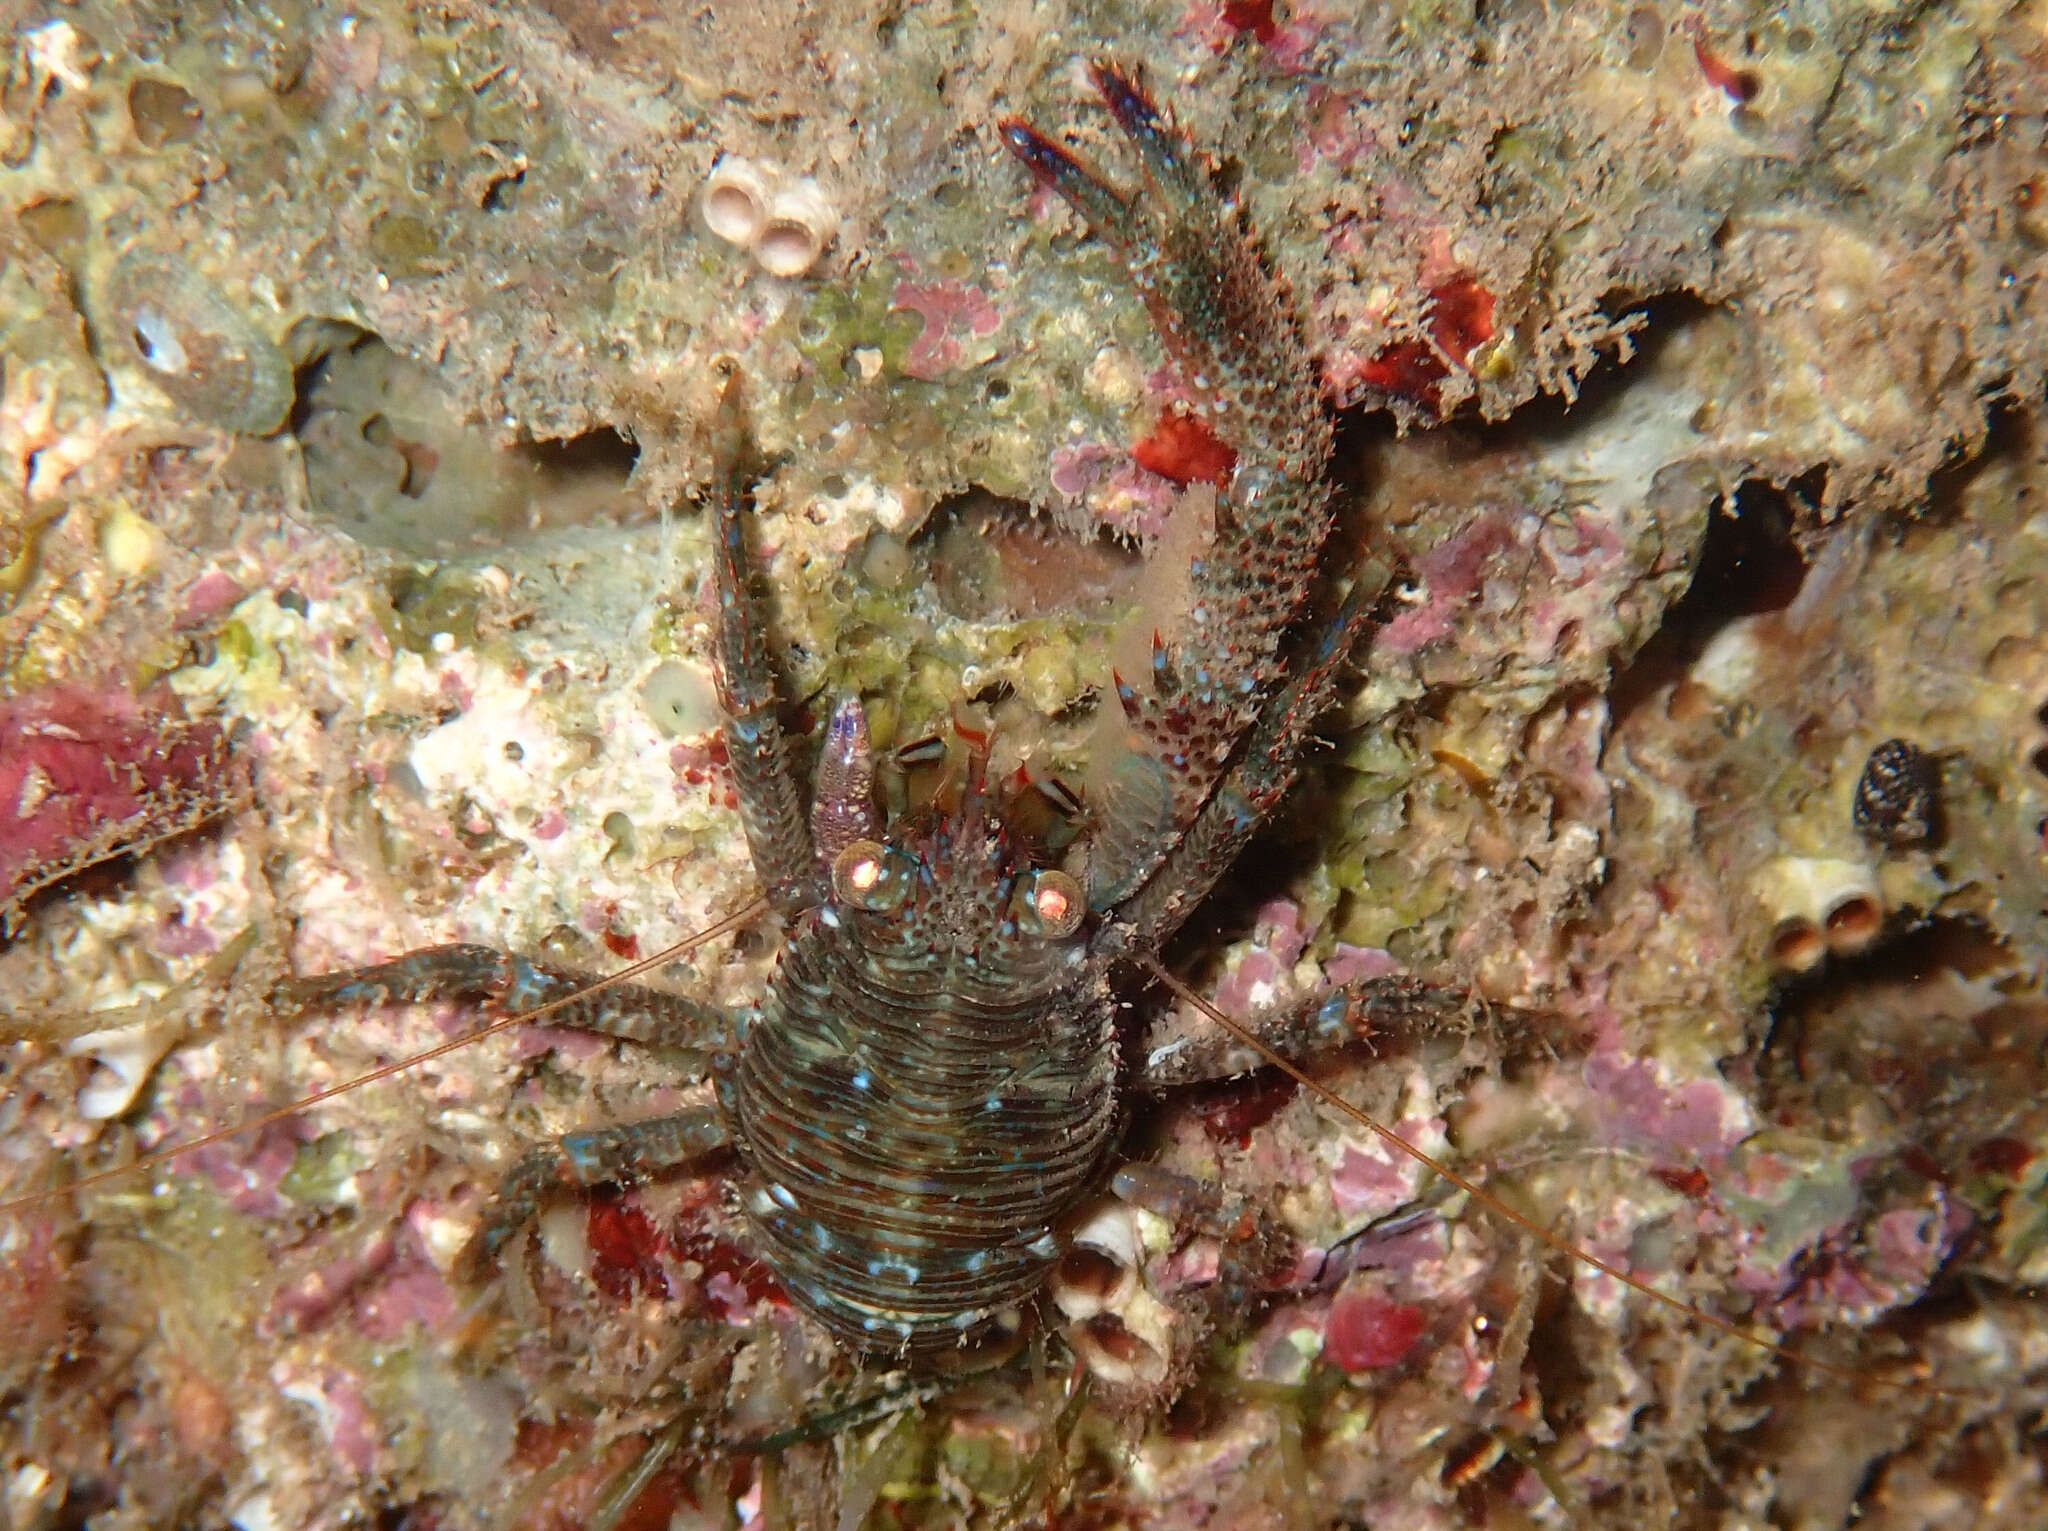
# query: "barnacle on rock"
799, 224
1117, 1327
784, 225
124, 1056
735, 200
1819, 905
680, 699
159, 319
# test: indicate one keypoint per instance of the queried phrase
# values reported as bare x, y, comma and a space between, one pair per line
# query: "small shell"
735, 200
1797, 946
800, 223
124, 1057
160, 318
1898, 796
1853, 916
1728, 666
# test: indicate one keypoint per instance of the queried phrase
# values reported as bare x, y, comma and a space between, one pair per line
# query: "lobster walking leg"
1305, 1030
515, 986
582, 1159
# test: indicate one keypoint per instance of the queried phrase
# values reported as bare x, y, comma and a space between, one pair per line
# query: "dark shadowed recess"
393, 461
987, 558
1749, 564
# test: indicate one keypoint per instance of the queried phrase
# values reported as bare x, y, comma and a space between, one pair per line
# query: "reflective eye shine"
860, 874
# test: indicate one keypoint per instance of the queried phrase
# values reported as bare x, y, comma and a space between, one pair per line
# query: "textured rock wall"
353, 363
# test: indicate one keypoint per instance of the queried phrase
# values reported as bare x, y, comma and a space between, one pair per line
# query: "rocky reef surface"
353, 367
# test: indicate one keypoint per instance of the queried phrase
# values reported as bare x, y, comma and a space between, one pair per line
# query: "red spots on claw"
1366, 1330
1185, 450
1460, 321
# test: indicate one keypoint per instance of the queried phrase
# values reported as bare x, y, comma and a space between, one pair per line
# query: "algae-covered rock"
355, 371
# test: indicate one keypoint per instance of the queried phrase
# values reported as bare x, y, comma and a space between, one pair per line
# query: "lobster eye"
1051, 904
863, 878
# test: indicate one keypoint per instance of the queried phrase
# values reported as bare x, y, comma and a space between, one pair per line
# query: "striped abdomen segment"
917, 1125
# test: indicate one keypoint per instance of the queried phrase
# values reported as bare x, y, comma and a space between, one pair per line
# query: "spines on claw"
1222, 315
771, 802
1227, 322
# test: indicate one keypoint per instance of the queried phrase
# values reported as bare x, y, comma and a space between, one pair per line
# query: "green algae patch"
433, 607
322, 1170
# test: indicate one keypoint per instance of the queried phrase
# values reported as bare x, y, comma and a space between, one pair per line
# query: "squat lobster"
929, 1086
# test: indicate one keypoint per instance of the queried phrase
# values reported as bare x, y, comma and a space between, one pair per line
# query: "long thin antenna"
752, 910
1494, 1204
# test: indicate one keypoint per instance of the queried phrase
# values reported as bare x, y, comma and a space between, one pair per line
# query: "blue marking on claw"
1039, 154
580, 1149
526, 987
1131, 107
